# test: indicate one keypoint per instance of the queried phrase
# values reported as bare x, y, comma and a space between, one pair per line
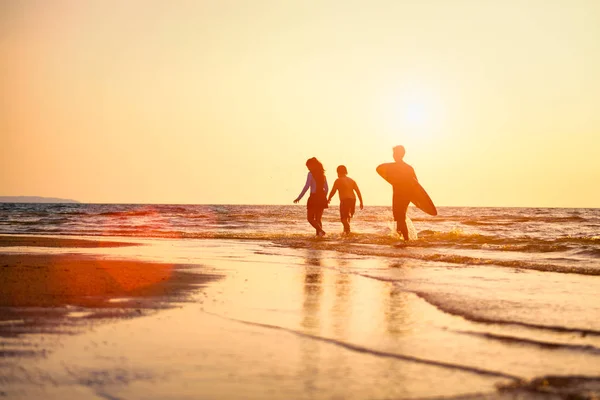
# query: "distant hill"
34, 199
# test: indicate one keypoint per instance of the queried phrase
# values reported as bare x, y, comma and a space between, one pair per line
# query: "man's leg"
400, 208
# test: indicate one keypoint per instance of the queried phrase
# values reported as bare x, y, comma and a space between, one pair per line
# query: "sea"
490, 291
544, 239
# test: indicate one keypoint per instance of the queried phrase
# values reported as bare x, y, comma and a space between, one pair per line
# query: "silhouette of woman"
317, 201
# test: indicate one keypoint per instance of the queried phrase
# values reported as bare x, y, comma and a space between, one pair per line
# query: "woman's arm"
306, 186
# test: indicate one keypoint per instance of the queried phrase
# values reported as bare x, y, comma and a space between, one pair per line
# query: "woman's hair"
317, 171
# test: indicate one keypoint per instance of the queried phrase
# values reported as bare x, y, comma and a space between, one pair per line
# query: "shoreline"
53, 241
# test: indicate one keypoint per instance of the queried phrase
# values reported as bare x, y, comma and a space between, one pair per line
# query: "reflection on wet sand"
342, 309
396, 313
58, 280
347, 308
312, 291
39, 290
343, 305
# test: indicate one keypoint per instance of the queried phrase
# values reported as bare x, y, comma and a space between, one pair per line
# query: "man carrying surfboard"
406, 189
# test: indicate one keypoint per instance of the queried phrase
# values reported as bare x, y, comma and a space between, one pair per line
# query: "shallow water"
548, 239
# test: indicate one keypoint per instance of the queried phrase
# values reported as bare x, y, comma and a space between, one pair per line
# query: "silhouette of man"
401, 176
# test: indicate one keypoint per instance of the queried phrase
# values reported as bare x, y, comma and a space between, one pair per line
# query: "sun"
417, 109
414, 116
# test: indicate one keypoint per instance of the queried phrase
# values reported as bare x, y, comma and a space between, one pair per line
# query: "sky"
223, 101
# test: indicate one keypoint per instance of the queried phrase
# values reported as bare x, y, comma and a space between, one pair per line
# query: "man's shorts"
347, 208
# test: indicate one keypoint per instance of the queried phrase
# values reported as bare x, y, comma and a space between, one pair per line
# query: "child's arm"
333, 190
357, 190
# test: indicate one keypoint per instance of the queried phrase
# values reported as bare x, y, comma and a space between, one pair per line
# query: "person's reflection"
312, 291
341, 316
396, 313
311, 320
341, 311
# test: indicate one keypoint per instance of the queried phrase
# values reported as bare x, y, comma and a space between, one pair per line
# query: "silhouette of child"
346, 186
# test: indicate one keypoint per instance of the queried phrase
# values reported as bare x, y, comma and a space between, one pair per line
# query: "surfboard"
415, 192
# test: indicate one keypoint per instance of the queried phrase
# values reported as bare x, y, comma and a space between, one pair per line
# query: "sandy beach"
281, 199
215, 319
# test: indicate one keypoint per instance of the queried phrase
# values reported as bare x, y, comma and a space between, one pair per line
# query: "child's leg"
345, 215
346, 223
351, 210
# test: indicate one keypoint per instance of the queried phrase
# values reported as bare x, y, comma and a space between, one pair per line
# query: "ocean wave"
176, 209
39, 221
134, 213
517, 264
44, 230
23, 214
199, 216
378, 353
580, 239
24, 223
506, 219
379, 245
455, 236
388, 250
244, 217
521, 244
546, 345
589, 252
475, 222
553, 386
73, 213
550, 219
468, 314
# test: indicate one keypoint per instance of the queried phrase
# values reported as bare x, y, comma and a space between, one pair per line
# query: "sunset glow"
222, 102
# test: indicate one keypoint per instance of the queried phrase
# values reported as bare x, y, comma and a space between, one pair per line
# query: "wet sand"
282, 323
44, 241
57, 280
41, 289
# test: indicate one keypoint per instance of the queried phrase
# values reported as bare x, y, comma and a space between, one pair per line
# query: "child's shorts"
347, 208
